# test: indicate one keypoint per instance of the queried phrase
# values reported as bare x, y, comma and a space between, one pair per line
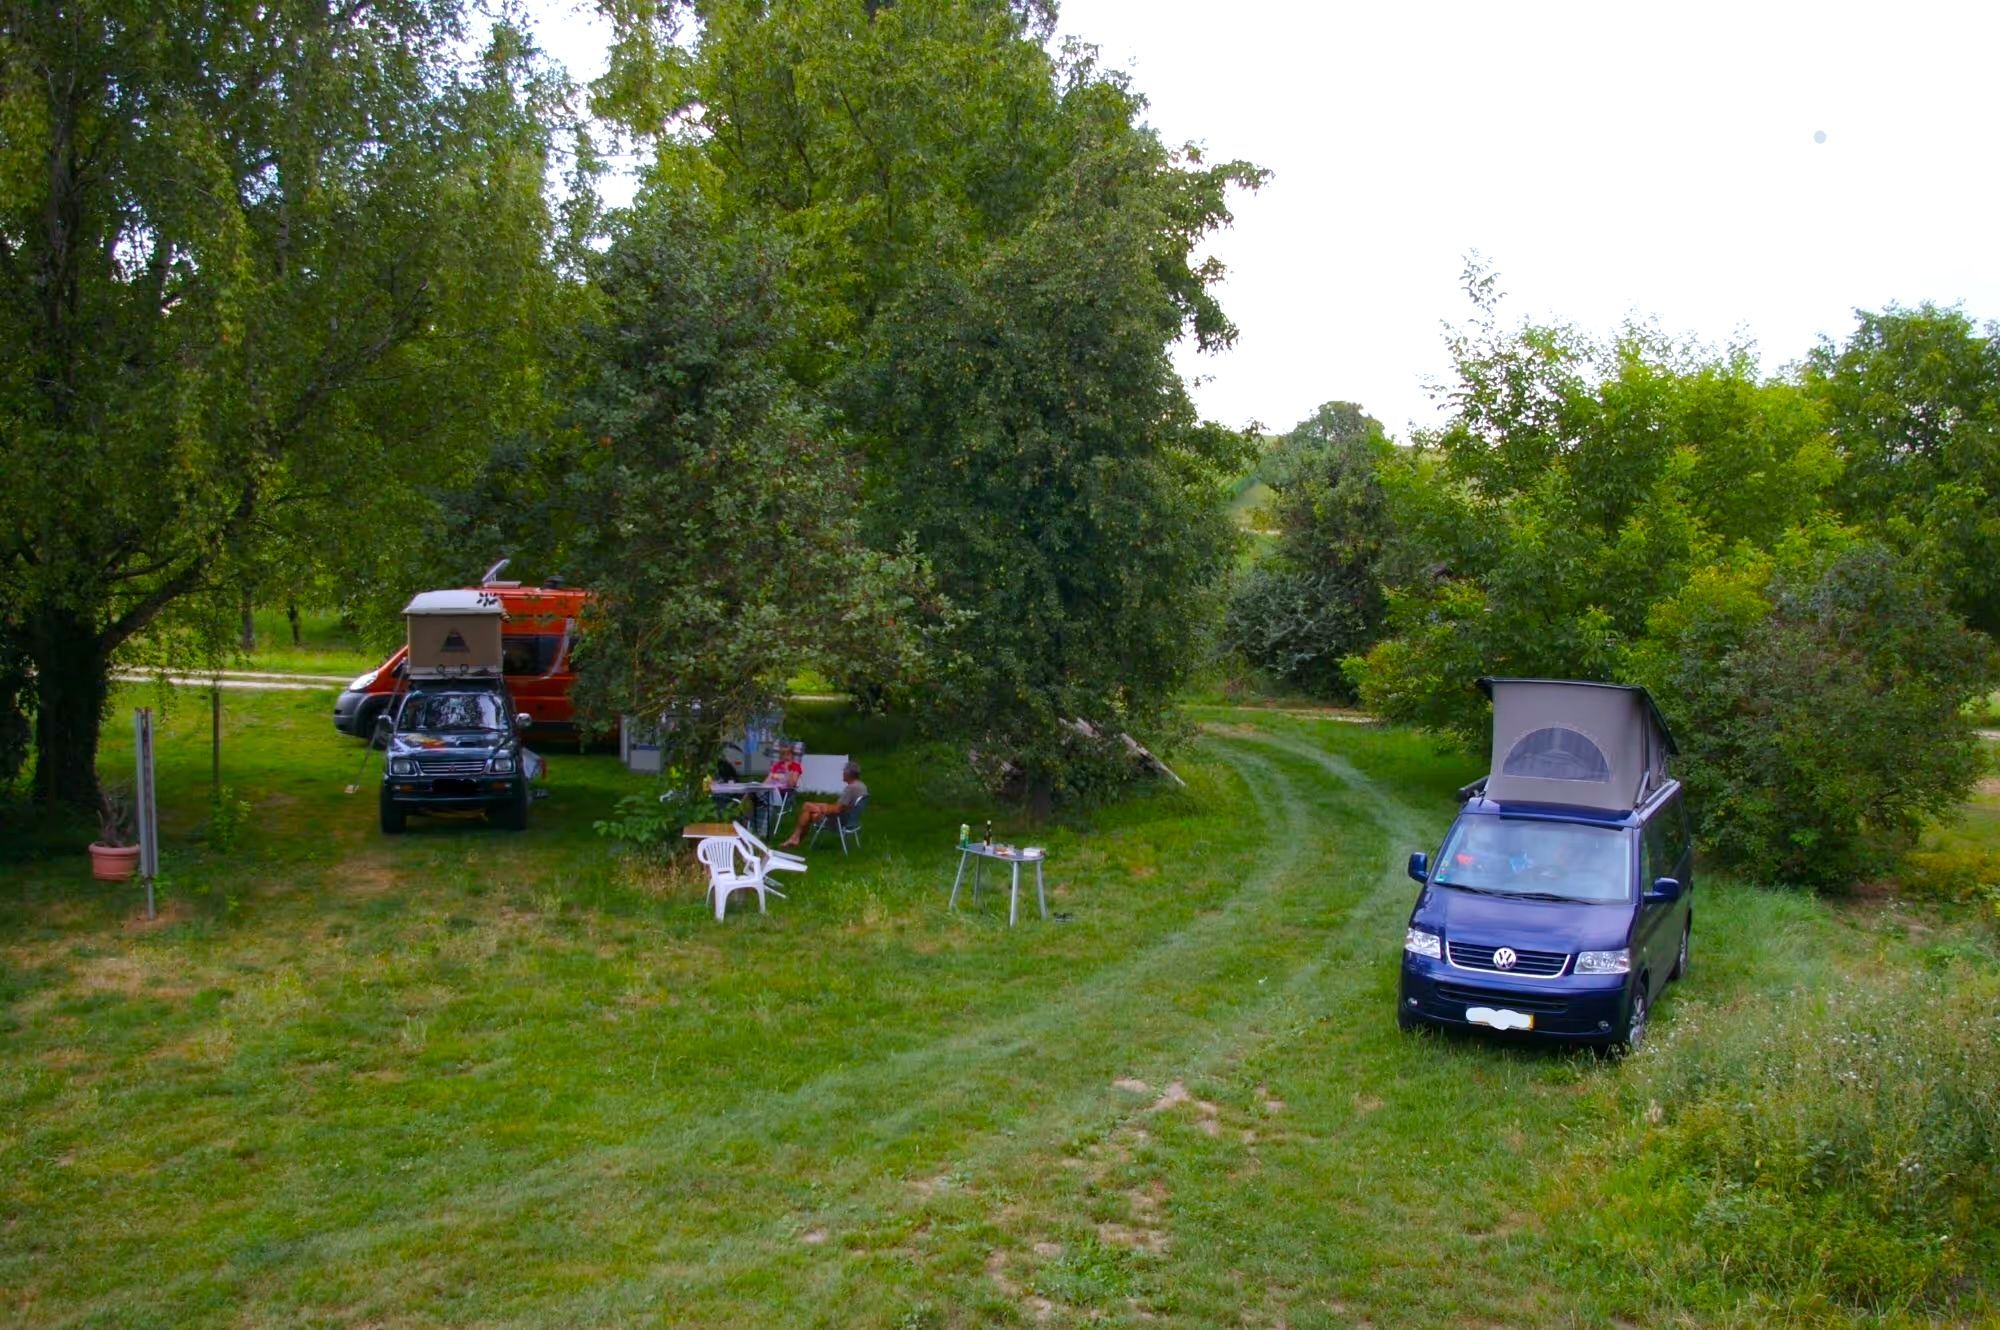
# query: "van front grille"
1539, 1003
1528, 964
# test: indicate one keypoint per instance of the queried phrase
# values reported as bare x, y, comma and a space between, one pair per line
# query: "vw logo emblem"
1504, 958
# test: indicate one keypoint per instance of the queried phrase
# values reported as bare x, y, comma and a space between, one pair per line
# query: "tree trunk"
1041, 799
292, 614
71, 686
249, 636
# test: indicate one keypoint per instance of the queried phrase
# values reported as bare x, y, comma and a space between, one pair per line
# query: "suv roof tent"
1586, 745
454, 635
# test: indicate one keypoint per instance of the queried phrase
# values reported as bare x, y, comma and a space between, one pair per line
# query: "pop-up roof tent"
1587, 745
454, 634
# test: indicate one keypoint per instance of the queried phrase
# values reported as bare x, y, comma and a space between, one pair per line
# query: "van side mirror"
1420, 867
385, 725
1665, 891
522, 720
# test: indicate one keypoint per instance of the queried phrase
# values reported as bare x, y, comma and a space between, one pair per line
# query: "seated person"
852, 792
785, 774
786, 771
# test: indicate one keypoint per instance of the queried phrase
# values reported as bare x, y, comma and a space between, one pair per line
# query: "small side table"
978, 853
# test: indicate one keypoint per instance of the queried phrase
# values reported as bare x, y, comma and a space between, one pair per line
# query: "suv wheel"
392, 814
512, 813
1681, 957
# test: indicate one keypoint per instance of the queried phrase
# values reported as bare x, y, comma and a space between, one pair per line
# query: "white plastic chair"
719, 854
773, 861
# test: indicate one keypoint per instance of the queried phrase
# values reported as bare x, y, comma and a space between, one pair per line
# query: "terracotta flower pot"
113, 863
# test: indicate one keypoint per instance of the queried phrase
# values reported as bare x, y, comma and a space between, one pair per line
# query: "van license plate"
1500, 1018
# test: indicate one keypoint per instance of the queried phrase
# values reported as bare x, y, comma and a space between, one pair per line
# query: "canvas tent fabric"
454, 635
1583, 745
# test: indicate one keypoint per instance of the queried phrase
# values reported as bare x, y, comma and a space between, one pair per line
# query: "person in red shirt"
786, 771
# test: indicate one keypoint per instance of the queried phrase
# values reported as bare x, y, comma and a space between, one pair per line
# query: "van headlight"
1419, 943
1604, 962
402, 766
361, 681
503, 765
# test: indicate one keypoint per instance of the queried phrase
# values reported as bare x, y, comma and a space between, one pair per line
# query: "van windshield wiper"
1467, 886
1548, 896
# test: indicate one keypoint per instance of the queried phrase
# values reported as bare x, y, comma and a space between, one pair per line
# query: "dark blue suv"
1564, 920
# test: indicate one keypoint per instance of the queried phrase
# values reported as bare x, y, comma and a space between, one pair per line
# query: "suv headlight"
402, 766
503, 765
1419, 943
1604, 962
361, 681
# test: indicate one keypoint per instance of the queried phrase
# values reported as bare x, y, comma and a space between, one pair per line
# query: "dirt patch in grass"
126, 975
1149, 1240
365, 878
166, 913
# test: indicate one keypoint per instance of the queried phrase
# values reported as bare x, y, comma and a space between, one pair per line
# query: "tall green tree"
1634, 511
268, 269
1576, 484
1319, 596
710, 507
989, 257
1913, 402
1037, 444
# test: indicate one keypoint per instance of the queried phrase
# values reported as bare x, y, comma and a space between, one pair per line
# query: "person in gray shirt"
852, 792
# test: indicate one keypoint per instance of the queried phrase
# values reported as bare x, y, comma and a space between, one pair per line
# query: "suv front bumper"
450, 791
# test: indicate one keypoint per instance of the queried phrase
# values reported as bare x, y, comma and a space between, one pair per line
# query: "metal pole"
215, 737
149, 839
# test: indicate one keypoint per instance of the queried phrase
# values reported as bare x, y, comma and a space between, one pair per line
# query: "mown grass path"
464, 1078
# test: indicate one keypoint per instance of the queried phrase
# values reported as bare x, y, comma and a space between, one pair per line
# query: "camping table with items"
731, 790
977, 852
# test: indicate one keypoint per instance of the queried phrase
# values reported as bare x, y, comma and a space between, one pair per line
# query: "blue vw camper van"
1561, 902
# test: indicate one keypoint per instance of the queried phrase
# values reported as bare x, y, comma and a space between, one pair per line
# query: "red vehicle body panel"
535, 639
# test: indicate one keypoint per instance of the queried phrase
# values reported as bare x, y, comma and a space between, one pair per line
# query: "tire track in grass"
911, 1080
1091, 1108
1120, 1020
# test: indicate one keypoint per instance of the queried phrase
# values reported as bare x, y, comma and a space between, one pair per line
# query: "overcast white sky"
1609, 160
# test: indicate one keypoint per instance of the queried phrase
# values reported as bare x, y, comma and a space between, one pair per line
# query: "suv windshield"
1529, 857
435, 712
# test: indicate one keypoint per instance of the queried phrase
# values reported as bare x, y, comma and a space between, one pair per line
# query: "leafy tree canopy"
1637, 511
713, 511
268, 270
1913, 402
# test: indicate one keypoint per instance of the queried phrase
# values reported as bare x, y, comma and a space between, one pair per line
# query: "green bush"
1299, 627
1839, 1148
1819, 712
652, 822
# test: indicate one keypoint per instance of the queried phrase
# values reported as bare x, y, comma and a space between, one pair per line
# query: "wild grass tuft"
1838, 1148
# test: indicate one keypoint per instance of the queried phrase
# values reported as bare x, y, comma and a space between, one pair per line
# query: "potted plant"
114, 858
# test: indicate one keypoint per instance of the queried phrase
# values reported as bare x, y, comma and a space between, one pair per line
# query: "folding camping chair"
847, 822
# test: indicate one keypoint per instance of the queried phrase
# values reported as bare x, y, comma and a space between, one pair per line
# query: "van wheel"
1634, 1033
1405, 1021
392, 815
1681, 959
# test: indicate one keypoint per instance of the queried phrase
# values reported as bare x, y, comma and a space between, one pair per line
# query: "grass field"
473, 1077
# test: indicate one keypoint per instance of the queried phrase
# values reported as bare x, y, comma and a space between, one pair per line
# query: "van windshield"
1528, 857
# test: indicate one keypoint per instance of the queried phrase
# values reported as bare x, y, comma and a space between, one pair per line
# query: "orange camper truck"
535, 640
